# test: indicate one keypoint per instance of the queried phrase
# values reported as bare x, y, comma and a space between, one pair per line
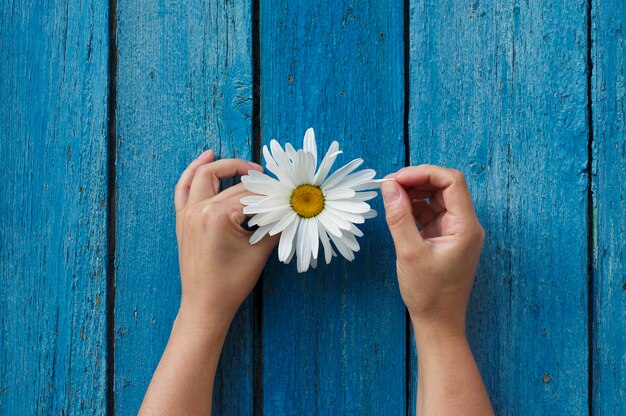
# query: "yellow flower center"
307, 200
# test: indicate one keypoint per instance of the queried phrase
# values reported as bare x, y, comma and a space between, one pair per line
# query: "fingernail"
390, 192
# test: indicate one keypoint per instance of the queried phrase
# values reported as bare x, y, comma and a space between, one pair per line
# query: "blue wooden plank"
334, 338
184, 85
499, 90
53, 190
609, 186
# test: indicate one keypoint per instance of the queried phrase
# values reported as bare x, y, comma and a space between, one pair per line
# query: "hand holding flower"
218, 270
211, 241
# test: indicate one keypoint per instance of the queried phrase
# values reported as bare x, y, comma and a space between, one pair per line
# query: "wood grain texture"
499, 91
609, 189
184, 84
334, 338
53, 95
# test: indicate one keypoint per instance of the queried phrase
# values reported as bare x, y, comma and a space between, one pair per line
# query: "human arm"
436, 265
215, 282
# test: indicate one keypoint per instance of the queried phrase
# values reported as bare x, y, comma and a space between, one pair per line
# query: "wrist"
202, 321
431, 331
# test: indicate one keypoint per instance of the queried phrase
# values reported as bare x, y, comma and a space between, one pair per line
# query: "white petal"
372, 184
259, 234
308, 238
267, 218
365, 196
256, 176
315, 238
304, 167
309, 167
269, 160
356, 178
338, 193
355, 230
313, 262
283, 162
328, 251
350, 240
341, 173
370, 214
309, 144
283, 223
291, 254
327, 221
260, 188
265, 207
286, 244
342, 248
338, 220
291, 152
355, 207
282, 174
253, 199
346, 216
279, 154
302, 254
327, 163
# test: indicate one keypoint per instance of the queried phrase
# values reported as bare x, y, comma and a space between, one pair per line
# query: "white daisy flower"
306, 204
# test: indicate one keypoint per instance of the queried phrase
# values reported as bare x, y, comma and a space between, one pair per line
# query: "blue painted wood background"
102, 105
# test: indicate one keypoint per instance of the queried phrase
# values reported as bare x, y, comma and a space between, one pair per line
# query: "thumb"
399, 216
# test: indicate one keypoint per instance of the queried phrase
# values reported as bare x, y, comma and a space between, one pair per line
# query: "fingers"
206, 181
423, 212
181, 192
235, 190
232, 201
399, 216
453, 193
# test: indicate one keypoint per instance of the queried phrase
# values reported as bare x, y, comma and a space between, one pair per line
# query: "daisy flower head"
307, 204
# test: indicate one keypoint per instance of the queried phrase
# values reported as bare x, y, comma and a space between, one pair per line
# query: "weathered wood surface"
53, 193
499, 91
333, 339
184, 84
609, 212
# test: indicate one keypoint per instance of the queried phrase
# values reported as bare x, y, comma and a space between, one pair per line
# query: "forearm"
183, 381
449, 382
